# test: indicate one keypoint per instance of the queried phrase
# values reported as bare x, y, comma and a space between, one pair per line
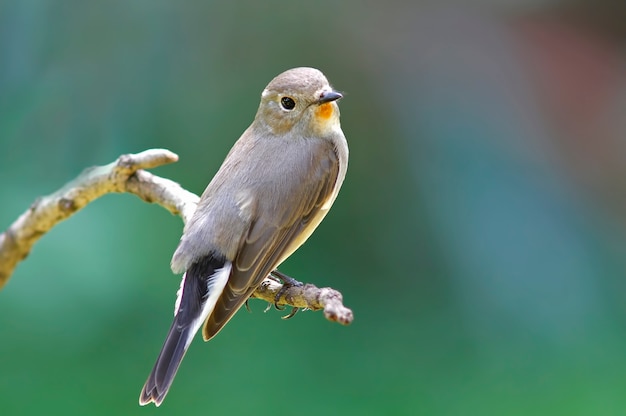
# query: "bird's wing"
274, 235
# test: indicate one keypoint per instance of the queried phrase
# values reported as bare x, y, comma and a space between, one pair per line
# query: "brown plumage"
273, 189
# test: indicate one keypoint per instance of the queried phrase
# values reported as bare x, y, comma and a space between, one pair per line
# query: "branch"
307, 296
127, 174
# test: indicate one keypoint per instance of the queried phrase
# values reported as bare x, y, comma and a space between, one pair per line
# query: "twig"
127, 174
307, 296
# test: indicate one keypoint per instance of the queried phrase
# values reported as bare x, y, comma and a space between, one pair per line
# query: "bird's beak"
329, 96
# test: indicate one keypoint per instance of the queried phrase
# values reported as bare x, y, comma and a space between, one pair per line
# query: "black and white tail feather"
200, 288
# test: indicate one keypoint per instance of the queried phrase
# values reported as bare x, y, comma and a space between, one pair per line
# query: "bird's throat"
325, 111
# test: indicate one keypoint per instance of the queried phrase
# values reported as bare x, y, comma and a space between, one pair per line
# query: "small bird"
273, 189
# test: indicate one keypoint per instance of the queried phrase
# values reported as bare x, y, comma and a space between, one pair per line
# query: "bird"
273, 189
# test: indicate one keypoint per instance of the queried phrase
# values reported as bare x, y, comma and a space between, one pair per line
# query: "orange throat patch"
325, 111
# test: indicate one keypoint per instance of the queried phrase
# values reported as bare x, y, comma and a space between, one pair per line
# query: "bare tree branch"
127, 174
307, 296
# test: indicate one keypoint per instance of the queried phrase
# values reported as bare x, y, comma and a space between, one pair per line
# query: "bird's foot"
288, 282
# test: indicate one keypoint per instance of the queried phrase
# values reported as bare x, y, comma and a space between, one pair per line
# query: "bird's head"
301, 101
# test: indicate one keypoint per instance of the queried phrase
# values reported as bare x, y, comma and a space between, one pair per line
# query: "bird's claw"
288, 282
294, 310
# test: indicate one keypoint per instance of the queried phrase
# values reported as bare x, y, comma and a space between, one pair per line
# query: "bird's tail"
162, 375
202, 285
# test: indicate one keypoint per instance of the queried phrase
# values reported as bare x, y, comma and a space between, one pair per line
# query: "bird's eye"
288, 103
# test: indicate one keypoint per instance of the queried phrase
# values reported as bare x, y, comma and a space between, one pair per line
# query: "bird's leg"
288, 282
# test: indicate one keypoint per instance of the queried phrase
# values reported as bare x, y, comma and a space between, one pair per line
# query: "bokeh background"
479, 237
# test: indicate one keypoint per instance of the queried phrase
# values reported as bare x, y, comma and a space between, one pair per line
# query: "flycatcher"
273, 189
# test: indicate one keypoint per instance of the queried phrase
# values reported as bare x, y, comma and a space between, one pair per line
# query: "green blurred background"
479, 237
